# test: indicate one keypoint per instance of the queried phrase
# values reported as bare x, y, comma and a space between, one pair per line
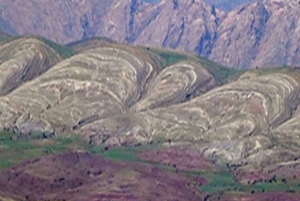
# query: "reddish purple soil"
276, 196
81, 176
181, 158
248, 175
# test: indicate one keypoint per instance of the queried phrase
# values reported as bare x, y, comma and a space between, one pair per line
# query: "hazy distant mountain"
228, 5
257, 34
5, 27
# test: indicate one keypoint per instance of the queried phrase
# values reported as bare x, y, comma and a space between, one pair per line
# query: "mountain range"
118, 95
110, 111
256, 34
188, 125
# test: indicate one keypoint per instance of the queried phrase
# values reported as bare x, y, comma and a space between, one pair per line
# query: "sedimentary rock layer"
116, 94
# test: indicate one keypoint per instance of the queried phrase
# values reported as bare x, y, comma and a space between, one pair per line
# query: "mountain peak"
242, 38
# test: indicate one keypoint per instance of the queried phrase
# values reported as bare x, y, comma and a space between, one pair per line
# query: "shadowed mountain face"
267, 32
228, 5
116, 94
22, 60
248, 36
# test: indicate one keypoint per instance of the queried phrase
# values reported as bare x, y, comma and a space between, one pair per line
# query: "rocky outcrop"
236, 120
185, 25
244, 28
63, 21
22, 60
260, 34
117, 94
110, 80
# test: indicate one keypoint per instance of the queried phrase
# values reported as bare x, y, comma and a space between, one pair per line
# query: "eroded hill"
119, 95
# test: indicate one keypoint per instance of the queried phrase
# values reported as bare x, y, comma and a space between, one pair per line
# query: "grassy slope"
64, 51
15, 150
221, 73
4, 37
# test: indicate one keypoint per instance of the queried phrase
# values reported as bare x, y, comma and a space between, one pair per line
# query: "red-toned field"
181, 158
81, 176
276, 196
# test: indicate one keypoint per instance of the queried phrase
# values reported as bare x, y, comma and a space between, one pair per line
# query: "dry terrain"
237, 129
80, 176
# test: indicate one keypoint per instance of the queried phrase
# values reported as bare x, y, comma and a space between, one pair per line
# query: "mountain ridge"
119, 95
99, 96
246, 37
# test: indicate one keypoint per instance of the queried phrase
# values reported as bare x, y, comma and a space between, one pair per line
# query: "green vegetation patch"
125, 154
168, 57
116, 154
122, 153
221, 74
15, 149
4, 37
223, 181
64, 51
219, 181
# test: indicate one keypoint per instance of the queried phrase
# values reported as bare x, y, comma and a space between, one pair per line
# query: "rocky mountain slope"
228, 5
248, 36
119, 95
259, 34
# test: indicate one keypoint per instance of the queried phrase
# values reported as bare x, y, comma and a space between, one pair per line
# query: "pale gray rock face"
240, 35
185, 25
254, 34
116, 94
260, 34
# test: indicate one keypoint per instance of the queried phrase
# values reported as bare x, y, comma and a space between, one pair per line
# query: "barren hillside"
116, 94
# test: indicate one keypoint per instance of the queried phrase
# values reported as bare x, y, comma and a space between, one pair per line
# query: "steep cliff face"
239, 36
258, 34
280, 44
189, 26
186, 25
63, 20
